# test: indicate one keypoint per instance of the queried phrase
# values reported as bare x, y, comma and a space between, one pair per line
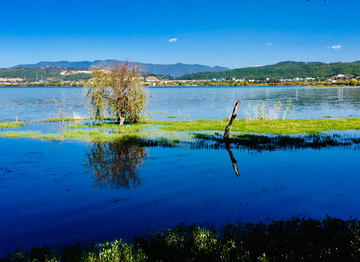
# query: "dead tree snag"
233, 116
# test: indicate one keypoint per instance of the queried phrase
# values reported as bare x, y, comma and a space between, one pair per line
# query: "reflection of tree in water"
115, 165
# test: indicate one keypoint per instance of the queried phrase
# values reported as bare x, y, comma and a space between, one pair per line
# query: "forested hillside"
285, 70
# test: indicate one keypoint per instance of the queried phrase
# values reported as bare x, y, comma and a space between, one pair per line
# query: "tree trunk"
121, 120
233, 116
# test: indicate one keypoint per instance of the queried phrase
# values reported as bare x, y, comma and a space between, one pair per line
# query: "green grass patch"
111, 126
159, 138
89, 136
288, 126
176, 131
31, 134
11, 124
55, 119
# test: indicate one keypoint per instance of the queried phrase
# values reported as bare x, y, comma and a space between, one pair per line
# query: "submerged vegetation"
296, 239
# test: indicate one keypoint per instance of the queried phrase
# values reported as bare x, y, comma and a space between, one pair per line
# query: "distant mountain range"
54, 71
285, 70
174, 70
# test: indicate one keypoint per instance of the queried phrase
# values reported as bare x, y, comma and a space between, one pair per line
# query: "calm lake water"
193, 102
70, 191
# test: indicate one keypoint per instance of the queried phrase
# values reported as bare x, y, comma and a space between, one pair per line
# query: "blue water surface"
48, 196
62, 192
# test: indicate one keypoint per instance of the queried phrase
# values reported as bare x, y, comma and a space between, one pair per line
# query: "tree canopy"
116, 91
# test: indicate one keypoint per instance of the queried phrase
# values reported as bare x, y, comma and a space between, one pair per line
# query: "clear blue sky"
231, 33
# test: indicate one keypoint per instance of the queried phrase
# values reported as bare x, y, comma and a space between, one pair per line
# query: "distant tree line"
282, 70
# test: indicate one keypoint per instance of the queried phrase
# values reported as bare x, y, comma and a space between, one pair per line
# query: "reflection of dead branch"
233, 160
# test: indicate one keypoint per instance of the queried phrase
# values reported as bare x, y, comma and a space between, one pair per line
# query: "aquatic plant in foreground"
296, 239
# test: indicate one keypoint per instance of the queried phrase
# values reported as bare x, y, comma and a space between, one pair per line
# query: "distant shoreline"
204, 84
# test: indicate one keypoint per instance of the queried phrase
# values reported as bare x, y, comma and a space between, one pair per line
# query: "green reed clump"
190, 243
117, 251
103, 252
284, 240
296, 239
262, 113
55, 119
11, 124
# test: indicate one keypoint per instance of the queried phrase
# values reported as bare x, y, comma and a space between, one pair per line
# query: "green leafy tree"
116, 91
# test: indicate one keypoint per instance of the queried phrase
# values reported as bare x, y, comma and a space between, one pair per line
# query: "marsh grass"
70, 119
31, 134
11, 124
296, 239
175, 132
277, 126
260, 112
110, 126
55, 119
148, 138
